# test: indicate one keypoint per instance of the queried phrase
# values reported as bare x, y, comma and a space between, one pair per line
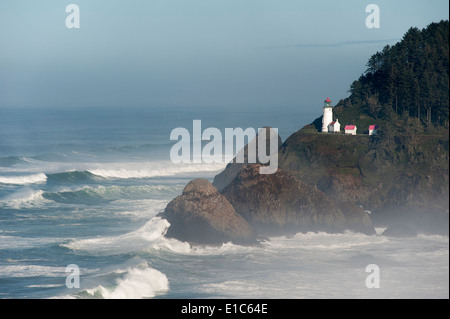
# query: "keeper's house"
350, 129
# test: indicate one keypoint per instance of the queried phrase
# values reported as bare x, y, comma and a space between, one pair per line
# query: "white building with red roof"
350, 129
373, 129
334, 127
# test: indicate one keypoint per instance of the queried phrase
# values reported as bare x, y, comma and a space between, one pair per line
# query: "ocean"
80, 190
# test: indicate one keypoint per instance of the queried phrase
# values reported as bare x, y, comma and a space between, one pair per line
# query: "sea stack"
201, 215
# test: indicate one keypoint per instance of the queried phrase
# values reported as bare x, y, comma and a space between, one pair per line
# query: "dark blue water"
83, 187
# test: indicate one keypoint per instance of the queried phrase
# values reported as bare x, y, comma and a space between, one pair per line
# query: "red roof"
328, 100
332, 123
350, 127
373, 127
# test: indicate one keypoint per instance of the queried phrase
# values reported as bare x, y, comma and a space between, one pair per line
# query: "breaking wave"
24, 179
24, 199
136, 282
71, 177
162, 169
151, 233
99, 194
158, 170
56, 172
150, 238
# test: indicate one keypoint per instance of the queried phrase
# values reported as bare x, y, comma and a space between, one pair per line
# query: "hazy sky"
212, 53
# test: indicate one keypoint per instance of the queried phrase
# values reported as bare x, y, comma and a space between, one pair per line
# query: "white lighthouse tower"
327, 115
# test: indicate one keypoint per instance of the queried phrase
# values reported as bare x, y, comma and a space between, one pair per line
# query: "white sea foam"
116, 192
24, 179
307, 265
157, 169
111, 170
150, 233
45, 286
149, 237
326, 241
320, 265
23, 271
25, 198
138, 282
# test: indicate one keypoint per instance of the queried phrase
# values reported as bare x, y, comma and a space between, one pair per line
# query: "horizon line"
334, 45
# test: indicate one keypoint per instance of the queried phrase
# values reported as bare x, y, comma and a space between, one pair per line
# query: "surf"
156, 169
24, 179
103, 194
135, 282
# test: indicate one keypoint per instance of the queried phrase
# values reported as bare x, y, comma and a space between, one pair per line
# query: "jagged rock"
201, 215
224, 178
279, 203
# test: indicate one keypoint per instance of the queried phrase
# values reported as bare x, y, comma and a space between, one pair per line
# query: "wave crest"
137, 240
139, 282
100, 194
157, 170
24, 179
25, 198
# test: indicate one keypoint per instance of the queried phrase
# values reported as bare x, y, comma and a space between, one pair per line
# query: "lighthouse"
327, 115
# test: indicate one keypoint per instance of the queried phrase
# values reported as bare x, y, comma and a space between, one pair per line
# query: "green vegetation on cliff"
405, 88
404, 169
409, 78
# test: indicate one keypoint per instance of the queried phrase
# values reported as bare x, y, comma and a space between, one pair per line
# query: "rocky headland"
324, 183
331, 181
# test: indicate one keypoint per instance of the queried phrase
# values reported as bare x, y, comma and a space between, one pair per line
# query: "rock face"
280, 203
201, 215
399, 178
224, 178
257, 204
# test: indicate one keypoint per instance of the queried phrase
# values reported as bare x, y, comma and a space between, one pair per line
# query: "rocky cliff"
225, 177
280, 203
400, 178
